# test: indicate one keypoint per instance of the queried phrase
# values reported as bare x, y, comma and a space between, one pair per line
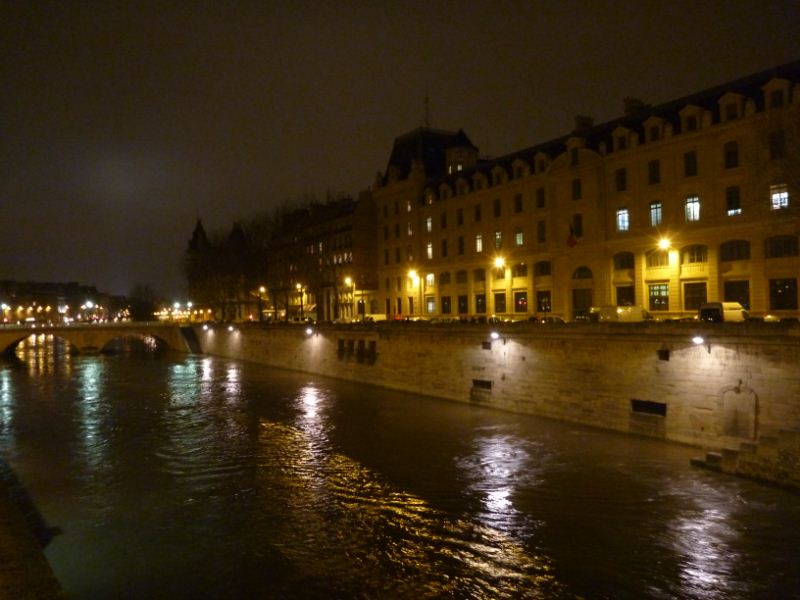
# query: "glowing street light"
300, 291
664, 244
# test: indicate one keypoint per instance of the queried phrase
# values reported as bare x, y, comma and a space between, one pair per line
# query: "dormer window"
520, 169
776, 93
691, 123
654, 133
498, 176
731, 106
731, 111
430, 196
621, 142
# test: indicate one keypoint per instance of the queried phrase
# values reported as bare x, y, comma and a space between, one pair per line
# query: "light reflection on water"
205, 478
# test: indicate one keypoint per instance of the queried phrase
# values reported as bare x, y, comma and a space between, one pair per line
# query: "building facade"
666, 207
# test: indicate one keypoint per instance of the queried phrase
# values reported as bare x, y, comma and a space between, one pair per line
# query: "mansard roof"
427, 146
600, 135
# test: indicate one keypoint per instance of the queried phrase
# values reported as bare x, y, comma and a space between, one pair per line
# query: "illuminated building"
666, 207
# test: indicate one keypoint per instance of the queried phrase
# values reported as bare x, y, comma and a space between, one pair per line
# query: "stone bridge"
91, 338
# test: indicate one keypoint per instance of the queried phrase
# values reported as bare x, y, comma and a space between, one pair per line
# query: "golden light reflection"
338, 507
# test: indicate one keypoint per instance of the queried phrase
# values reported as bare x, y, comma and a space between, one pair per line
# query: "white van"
718, 312
623, 314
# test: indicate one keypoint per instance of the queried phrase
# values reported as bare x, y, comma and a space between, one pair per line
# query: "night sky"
121, 123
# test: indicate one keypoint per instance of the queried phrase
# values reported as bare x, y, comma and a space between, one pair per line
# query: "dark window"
621, 180
480, 303
691, 123
500, 302
655, 133
460, 245
582, 272
496, 207
581, 302
444, 249
446, 305
518, 203
541, 232
463, 306
460, 216
397, 255
777, 144
783, 294
780, 246
734, 250
461, 276
622, 142
776, 99
519, 270
733, 201
737, 291
397, 230
731, 111
690, 164
444, 278
577, 192
623, 260
520, 302
443, 220
540, 198
649, 407
542, 268
694, 294
577, 225
626, 295
543, 301
386, 256
731, 154
385, 232
477, 212
654, 172
479, 275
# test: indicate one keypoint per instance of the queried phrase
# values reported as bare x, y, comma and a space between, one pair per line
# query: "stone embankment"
731, 386
24, 571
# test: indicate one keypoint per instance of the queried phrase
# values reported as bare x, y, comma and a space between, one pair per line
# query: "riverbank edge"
25, 573
657, 381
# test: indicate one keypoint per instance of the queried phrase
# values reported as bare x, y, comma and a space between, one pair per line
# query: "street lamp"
350, 282
261, 291
415, 278
300, 291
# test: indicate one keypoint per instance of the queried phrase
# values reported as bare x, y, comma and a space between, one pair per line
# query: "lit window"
429, 250
429, 224
410, 229
623, 219
498, 239
655, 214
659, 296
692, 208
779, 194
519, 237
430, 280
408, 205
478, 242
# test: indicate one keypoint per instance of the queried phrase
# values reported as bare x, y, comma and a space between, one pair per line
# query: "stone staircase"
773, 459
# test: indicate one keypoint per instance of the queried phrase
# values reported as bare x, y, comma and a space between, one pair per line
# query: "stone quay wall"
737, 385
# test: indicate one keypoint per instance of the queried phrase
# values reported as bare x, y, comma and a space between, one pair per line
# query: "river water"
196, 477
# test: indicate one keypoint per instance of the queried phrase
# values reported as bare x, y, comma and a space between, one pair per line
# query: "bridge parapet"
92, 338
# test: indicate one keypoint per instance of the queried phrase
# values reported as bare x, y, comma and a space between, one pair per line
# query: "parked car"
718, 312
621, 314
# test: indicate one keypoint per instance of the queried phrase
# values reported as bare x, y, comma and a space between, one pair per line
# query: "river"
174, 476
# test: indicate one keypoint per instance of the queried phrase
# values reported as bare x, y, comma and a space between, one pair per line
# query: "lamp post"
351, 283
300, 291
261, 291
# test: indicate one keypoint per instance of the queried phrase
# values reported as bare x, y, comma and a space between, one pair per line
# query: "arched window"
582, 273
734, 250
780, 245
696, 253
658, 258
542, 268
623, 260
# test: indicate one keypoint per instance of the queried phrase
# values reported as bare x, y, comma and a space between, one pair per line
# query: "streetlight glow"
663, 244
